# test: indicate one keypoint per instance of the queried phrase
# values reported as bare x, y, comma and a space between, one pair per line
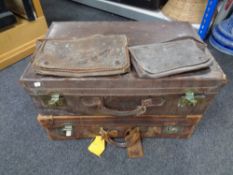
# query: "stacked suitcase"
123, 106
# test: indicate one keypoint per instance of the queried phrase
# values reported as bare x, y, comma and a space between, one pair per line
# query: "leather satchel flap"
93, 55
168, 58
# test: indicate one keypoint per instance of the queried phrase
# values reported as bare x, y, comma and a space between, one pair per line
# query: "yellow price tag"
97, 146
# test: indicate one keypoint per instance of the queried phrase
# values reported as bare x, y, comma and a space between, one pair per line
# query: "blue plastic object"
220, 47
226, 27
207, 18
222, 36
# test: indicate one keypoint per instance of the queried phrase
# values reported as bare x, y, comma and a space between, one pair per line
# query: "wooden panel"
38, 8
19, 41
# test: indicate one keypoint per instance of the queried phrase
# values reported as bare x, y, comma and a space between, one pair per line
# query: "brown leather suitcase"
124, 95
131, 129
79, 127
114, 106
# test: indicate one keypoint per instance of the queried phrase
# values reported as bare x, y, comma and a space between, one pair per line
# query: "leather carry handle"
131, 137
139, 110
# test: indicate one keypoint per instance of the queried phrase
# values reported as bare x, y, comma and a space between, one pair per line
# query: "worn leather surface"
138, 33
124, 93
89, 56
122, 106
115, 127
136, 150
169, 58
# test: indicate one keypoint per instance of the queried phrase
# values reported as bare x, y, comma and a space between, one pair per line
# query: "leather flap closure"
90, 56
168, 58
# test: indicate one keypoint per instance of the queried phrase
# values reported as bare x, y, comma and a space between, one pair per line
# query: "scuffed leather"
169, 58
96, 55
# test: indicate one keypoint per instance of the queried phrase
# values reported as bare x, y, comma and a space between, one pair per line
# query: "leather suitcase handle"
136, 112
131, 137
139, 110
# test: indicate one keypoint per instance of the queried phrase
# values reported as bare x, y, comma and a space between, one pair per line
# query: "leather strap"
131, 137
136, 150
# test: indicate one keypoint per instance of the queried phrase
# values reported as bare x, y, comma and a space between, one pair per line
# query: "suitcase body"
79, 127
161, 107
124, 95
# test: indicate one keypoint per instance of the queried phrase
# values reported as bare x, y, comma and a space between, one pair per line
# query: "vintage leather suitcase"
127, 94
78, 127
131, 129
114, 106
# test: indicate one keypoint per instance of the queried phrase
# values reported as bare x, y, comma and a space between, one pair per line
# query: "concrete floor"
26, 150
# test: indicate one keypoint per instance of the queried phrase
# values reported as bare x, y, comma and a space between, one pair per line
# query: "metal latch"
171, 129
190, 99
54, 99
68, 129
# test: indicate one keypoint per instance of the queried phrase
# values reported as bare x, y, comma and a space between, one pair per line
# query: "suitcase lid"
138, 33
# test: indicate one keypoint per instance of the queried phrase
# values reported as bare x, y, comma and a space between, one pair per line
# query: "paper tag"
37, 84
97, 146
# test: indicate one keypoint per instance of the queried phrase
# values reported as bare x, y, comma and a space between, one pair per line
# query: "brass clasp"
190, 99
